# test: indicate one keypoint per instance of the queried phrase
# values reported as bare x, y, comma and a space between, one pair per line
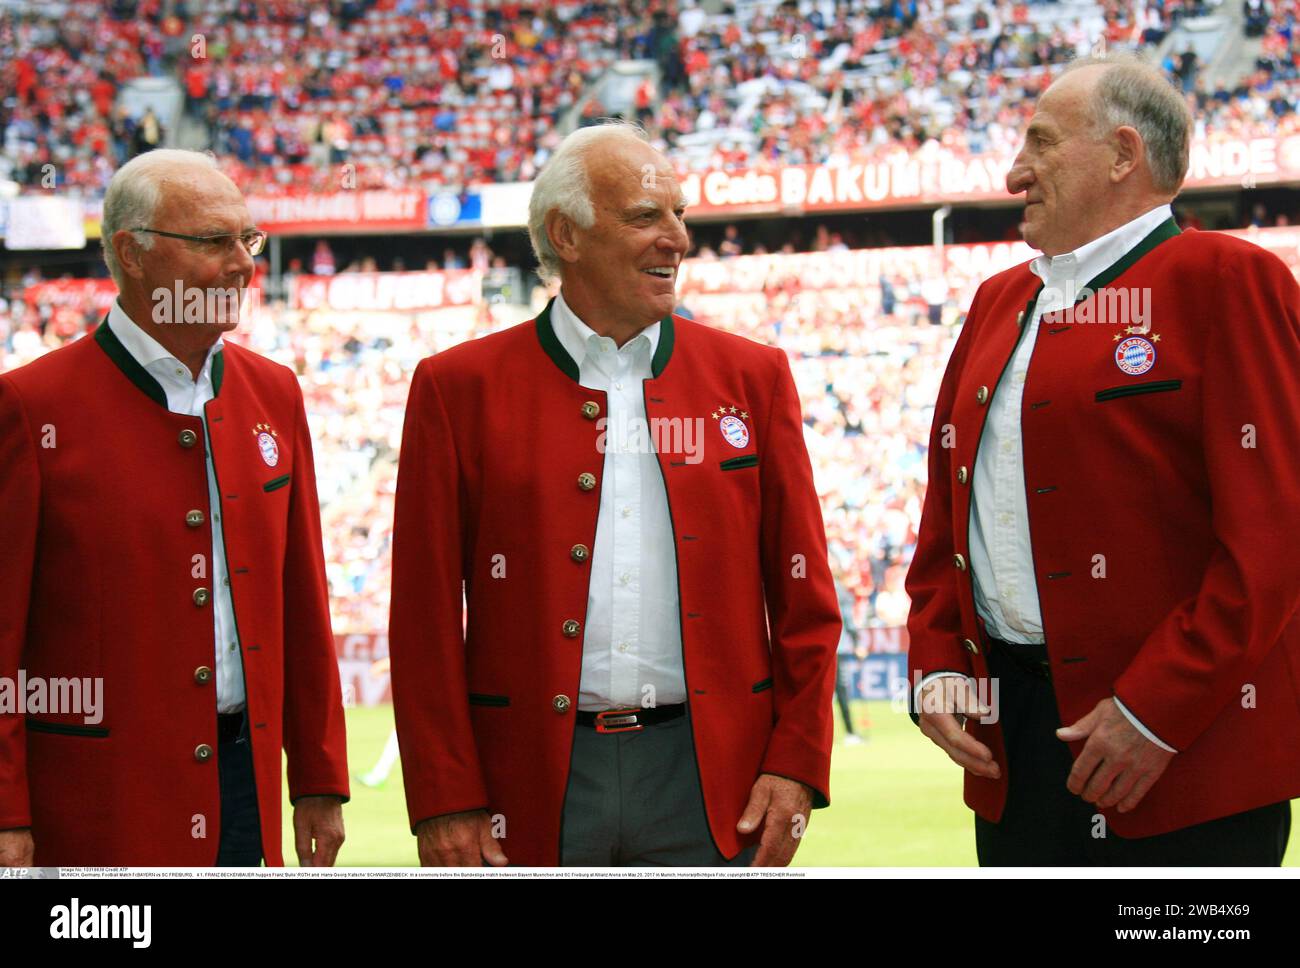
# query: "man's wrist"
1137, 724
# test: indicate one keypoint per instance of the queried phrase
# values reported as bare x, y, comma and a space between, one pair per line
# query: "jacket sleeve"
803, 611
426, 641
934, 624
1202, 656
314, 736
20, 504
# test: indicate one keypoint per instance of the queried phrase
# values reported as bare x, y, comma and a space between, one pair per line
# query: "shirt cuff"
926, 680
1142, 729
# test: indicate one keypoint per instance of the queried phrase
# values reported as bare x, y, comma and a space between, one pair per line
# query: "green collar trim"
218, 372
129, 365
1163, 232
141, 377
667, 337
553, 348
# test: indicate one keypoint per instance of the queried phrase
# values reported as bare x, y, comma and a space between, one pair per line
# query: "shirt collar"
147, 351
1092, 258
576, 336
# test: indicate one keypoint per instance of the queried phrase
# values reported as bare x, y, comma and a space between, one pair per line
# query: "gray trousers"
634, 800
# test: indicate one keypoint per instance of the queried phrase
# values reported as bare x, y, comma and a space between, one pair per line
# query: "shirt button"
1006, 446
233, 646
622, 647
627, 512
1020, 378
618, 386
625, 578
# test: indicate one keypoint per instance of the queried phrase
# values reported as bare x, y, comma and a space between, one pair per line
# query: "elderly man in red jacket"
627, 502
161, 538
1109, 530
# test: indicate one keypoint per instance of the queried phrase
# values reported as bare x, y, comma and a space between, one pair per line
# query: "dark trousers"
634, 800
241, 829
1044, 824
843, 675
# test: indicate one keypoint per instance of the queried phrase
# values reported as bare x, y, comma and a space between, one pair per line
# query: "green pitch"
897, 802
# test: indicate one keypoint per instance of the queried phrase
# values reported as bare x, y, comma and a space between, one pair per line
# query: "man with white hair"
162, 551
626, 499
1104, 591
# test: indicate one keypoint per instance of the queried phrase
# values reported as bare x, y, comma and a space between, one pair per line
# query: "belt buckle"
618, 721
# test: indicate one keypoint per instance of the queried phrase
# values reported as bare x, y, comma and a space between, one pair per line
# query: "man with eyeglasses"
162, 579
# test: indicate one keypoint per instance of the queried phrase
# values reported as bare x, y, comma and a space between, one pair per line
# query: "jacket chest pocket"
1138, 389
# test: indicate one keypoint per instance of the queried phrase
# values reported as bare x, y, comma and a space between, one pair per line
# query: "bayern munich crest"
266, 444
733, 427
1135, 355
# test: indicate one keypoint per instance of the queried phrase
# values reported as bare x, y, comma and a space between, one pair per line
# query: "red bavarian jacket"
1164, 508
99, 577
498, 443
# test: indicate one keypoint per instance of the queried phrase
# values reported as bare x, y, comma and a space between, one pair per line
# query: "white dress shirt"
632, 651
1001, 557
187, 395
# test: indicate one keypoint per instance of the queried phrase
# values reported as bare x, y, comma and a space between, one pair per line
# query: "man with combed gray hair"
1104, 591
626, 500
161, 536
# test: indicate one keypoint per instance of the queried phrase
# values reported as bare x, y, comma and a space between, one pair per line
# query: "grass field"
897, 802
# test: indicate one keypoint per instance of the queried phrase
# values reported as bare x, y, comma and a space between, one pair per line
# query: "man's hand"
17, 848
782, 806
941, 702
1118, 764
459, 840
318, 830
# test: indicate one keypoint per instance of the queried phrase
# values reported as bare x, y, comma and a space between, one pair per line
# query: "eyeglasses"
254, 241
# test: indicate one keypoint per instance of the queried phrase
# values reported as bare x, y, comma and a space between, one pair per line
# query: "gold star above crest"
733, 409
1115, 337
715, 415
744, 415
1155, 337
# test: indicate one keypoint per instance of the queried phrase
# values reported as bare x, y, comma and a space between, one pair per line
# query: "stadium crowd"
415, 93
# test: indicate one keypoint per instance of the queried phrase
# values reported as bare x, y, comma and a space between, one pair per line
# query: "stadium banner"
364, 683
45, 222
450, 210
352, 211
83, 295
388, 291
94, 216
506, 205
935, 176
879, 676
